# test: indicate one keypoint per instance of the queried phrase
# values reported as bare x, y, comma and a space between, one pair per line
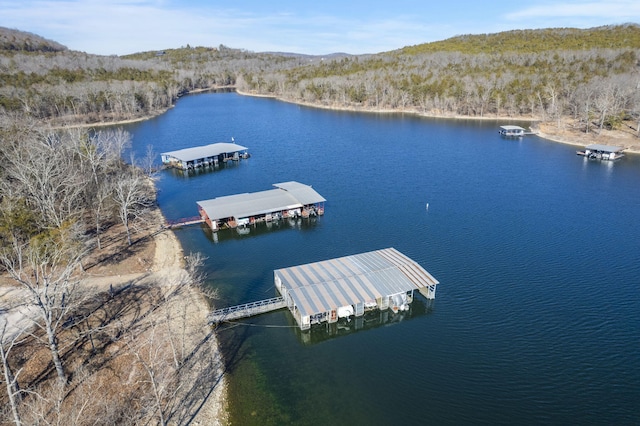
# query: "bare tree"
193, 279
43, 169
151, 353
148, 163
100, 206
133, 198
7, 342
44, 267
89, 152
112, 143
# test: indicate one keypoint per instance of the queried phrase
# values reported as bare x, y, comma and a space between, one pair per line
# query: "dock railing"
246, 310
184, 221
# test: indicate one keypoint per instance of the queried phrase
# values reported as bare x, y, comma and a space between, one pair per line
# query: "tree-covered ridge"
590, 75
532, 41
591, 84
14, 40
76, 86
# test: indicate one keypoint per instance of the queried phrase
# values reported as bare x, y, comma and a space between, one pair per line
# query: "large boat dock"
204, 156
329, 290
288, 199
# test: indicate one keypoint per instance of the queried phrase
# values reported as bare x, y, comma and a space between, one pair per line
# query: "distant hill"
15, 40
535, 41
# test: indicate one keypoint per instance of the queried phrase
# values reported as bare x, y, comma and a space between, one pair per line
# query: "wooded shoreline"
546, 130
568, 137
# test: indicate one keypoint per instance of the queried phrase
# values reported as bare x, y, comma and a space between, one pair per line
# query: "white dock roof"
323, 286
288, 195
197, 152
303, 193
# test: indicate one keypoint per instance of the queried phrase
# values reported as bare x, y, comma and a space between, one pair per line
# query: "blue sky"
321, 27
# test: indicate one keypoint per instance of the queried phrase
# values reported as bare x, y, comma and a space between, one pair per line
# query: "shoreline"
547, 134
387, 111
631, 144
169, 262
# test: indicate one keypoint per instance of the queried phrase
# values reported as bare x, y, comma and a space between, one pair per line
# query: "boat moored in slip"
601, 152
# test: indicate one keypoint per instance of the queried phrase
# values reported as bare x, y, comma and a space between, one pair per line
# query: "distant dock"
514, 131
602, 152
204, 156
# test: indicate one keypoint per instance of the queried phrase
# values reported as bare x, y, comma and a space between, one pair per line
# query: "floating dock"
512, 131
509, 131
602, 152
289, 199
204, 156
340, 288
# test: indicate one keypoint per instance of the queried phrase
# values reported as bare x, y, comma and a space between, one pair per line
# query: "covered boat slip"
601, 152
512, 131
338, 288
288, 199
206, 155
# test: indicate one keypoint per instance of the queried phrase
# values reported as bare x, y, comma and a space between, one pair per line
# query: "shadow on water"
232, 343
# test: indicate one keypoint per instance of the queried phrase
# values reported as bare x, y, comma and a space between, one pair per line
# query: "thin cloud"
598, 10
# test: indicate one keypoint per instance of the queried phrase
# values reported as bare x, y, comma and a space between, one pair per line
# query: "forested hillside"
23, 41
46, 81
590, 75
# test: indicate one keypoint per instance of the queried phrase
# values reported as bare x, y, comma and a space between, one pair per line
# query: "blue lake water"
537, 250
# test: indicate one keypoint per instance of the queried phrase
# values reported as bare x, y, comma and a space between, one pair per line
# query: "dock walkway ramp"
246, 310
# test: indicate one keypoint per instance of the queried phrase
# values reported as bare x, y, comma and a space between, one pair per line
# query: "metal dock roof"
288, 195
211, 150
301, 192
604, 148
322, 286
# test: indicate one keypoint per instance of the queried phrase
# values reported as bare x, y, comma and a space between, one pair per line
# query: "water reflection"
606, 166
